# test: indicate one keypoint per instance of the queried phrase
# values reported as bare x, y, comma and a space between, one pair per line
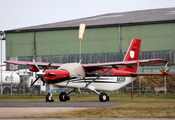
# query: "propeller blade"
46, 82
47, 66
35, 81
41, 74
81, 30
36, 64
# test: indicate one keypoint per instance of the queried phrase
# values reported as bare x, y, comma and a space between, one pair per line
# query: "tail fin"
132, 54
133, 50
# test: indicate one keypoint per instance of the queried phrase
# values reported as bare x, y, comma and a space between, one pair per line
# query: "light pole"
2, 36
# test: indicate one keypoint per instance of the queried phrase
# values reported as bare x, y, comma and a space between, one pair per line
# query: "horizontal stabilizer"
150, 74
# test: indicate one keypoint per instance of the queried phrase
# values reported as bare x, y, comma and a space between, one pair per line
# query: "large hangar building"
106, 38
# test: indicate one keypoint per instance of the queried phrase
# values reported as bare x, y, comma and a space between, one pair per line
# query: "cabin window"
110, 73
97, 72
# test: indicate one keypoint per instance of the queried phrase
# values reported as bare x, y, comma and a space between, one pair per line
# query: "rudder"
132, 54
133, 50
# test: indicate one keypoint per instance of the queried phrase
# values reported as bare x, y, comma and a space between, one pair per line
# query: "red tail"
133, 50
133, 53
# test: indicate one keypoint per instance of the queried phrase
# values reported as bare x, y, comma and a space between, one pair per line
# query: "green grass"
85, 97
20, 97
134, 110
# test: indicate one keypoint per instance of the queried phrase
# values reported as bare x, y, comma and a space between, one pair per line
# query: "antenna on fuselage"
80, 61
81, 32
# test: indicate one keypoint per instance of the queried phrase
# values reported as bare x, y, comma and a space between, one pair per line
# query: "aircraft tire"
63, 97
47, 98
103, 97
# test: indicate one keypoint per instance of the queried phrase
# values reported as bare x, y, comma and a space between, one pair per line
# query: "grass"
142, 106
20, 97
85, 97
134, 110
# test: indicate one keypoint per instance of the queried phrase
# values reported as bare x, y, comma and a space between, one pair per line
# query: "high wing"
130, 64
40, 64
133, 63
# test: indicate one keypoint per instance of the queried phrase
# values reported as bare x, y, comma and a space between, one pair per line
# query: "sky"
23, 13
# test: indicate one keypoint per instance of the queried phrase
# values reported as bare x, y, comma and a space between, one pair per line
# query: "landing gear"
49, 98
63, 97
103, 97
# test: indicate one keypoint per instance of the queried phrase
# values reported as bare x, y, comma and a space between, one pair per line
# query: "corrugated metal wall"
98, 44
66, 42
19, 44
95, 58
155, 37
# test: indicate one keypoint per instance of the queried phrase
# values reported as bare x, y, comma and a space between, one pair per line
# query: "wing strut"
138, 69
98, 77
166, 68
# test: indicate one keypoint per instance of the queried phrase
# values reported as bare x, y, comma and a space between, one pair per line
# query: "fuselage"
111, 81
102, 84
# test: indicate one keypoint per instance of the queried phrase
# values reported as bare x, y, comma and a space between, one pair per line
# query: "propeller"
41, 73
36, 65
35, 81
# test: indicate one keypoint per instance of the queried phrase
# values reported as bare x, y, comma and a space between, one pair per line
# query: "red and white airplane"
109, 76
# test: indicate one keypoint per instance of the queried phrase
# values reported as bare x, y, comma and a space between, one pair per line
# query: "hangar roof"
111, 19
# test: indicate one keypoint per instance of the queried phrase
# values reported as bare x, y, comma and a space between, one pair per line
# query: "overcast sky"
24, 13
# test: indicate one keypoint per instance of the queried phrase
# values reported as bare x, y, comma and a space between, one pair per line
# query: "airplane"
108, 76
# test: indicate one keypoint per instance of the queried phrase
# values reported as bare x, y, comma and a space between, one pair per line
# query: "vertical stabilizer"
133, 50
132, 54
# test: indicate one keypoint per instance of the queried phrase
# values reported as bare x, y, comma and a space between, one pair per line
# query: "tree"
158, 81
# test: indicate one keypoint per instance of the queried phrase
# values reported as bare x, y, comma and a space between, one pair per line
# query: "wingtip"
166, 74
165, 61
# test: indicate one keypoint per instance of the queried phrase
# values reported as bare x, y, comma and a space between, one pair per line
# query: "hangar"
106, 38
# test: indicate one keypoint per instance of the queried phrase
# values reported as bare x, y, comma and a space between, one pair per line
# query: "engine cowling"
56, 74
33, 69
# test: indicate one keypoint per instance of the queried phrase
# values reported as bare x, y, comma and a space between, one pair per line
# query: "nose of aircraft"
40, 73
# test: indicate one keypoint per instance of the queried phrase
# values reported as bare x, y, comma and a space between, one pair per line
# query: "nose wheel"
49, 98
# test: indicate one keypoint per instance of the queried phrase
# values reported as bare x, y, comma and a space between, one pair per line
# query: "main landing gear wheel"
63, 97
48, 99
103, 97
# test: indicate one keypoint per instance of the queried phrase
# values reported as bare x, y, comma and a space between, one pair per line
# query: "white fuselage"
101, 84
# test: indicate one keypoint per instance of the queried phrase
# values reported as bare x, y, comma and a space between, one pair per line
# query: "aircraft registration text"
120, 79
